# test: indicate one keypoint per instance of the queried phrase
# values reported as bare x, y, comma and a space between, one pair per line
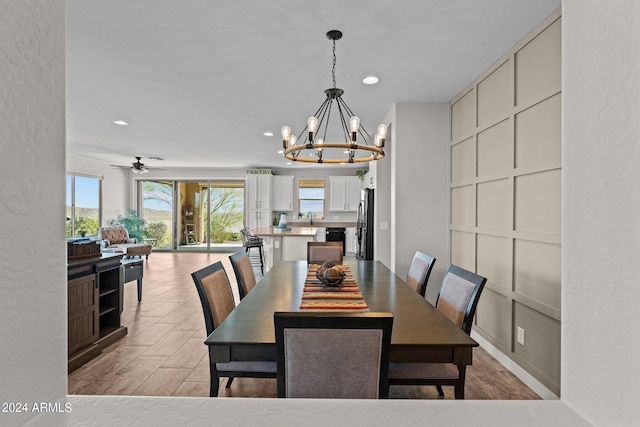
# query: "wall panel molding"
505, 185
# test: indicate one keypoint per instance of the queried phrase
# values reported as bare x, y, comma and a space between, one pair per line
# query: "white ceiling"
199, 81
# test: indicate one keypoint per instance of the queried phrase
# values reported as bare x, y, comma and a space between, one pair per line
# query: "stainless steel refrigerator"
365, 225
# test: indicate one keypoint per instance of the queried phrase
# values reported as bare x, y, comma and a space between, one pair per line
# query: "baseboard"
515, 369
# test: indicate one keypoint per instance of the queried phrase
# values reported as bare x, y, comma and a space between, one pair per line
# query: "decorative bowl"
330, 276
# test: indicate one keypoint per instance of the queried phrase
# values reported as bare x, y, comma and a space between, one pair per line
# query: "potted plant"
361, 173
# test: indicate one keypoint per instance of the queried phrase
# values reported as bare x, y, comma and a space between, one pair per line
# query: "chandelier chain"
333, 70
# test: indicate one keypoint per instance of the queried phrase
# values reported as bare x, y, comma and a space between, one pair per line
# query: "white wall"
412, 190
600, 236
33, 360
420, 183
601, 210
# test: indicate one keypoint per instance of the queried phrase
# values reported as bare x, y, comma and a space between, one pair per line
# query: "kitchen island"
288, 245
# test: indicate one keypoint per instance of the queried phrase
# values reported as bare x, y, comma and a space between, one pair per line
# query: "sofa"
116, 239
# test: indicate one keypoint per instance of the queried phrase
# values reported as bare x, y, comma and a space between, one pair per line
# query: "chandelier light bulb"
286, 133
320, 141
382, 130
292, 140
312, 125
354, 122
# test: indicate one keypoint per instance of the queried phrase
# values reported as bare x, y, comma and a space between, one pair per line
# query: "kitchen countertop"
295, 231
321, 223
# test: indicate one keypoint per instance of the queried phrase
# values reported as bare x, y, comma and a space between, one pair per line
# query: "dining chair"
319, 252
251, 241
419, 272
333, 355
244, 273
217, 302
457, 300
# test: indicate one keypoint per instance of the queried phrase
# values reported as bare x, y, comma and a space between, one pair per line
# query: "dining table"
421, 334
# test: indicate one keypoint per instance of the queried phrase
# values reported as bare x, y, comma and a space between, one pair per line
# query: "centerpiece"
330, 274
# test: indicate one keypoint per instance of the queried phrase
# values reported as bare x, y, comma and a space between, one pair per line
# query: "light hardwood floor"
163, 353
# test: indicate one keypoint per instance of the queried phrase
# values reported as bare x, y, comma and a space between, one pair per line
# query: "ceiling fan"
138, 167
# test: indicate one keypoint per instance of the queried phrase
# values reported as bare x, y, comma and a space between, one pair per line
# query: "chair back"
333, 355
215, 294
419, 272
319, 252
250, 240
459, 295
244, 273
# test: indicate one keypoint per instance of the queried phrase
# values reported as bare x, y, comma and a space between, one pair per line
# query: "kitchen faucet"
310, 216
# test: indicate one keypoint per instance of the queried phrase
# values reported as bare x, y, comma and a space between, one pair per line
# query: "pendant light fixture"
357, 145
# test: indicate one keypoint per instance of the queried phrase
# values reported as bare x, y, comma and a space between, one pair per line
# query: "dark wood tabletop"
420, 332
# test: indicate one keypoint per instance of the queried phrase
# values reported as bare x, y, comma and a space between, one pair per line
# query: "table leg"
140, 289
459, 387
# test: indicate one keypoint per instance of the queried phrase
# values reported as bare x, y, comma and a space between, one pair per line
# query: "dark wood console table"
95, 291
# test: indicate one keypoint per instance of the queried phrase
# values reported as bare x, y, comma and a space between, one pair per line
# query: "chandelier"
357, 145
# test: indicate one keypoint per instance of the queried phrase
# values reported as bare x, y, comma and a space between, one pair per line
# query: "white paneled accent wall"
506, 198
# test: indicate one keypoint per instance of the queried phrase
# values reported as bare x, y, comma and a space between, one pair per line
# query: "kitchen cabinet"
258, 200
258, 191
258, 218
350, 240
282, 193
344, 194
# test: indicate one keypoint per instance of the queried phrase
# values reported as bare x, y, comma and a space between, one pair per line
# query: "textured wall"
601, 210
33, 266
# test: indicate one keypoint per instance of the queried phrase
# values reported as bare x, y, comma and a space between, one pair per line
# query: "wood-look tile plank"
163, 382
108, 363
125, 381
187, 356
168, 344
150, 335
193, 389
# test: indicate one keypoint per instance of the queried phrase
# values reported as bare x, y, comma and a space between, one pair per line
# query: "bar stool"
251, 241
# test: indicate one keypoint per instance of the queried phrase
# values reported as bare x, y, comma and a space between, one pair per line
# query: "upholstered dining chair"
319, 252
457, 300
333, 355
244, 273
217, 302
419, 272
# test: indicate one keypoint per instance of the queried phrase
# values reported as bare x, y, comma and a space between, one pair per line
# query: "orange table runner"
346, 297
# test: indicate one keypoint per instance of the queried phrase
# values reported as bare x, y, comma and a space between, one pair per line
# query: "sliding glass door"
193, 215
157, 211
225, 210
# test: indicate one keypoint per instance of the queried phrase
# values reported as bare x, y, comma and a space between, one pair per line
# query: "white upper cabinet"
344, 194
258, 191
282, 193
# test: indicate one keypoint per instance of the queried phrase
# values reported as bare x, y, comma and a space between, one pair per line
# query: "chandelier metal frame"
319, 123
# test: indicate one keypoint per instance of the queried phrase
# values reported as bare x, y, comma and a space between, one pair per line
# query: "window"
83, 205
311, 198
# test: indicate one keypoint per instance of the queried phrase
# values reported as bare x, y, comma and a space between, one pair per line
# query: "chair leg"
440, 391
229, 381
261, 259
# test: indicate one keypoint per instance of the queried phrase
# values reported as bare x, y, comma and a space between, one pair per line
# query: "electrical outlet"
384, 225
276, 244
520, 336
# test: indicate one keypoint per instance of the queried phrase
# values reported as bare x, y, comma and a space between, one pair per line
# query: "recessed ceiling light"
280, 151
268, 134
289, 163
370, 80
120, 122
